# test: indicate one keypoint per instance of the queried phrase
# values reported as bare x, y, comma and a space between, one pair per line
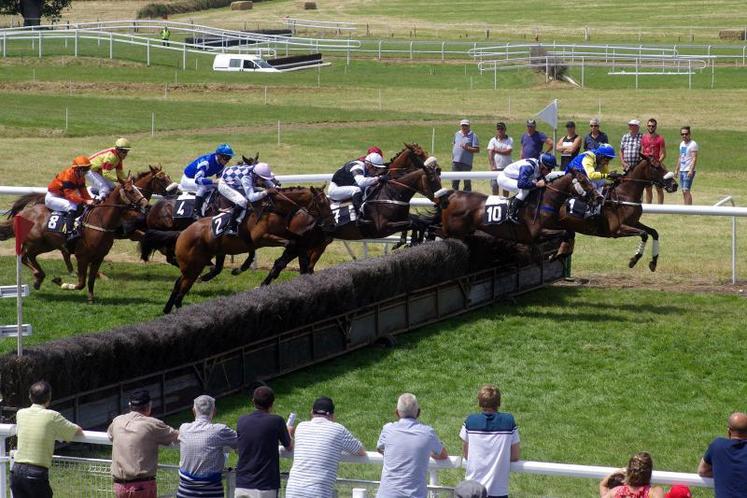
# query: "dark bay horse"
99, 224
289, 214
621, 212
386, 208
462, 213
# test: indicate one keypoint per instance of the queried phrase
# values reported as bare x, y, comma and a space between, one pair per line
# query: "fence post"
495, 75
636, 72
184, 57
433, 480
360, 493
152, 124
147, 51
433, 141
3, 465
76, 41
111, 45
5, 42
379, 49
713, 73
689, 74
411, 50
744, 50
40, 44
582, 72
443, 52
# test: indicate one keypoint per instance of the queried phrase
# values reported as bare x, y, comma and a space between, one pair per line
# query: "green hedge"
154, 10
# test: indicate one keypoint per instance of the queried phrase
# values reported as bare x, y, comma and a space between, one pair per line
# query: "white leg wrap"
68, 286
655, 248
641, 247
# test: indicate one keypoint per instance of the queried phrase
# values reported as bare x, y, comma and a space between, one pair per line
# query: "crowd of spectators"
490, 442
534, 143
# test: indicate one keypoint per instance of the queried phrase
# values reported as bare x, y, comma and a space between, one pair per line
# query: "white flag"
550, 114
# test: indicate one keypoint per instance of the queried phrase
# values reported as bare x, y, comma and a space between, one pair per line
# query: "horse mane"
292, 189
138, 176
407, 146
23, 201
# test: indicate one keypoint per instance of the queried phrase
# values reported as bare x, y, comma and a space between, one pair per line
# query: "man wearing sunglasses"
686, 166
595, 137
653, 145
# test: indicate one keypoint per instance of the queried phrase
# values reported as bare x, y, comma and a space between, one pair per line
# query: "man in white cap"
630, 145
465, 145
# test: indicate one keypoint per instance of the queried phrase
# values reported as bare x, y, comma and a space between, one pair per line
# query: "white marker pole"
433, 141
153, 124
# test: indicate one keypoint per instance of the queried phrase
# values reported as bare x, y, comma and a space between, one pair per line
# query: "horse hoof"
37, 284
652, 266
55, 280
633, 261
236, 271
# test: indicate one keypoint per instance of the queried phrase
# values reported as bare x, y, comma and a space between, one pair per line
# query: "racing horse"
621, 212
160, 218
152, 181
99, 224
282, 220
386, 210
464, 213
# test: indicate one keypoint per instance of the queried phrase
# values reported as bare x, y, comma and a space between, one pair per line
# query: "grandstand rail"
371, 458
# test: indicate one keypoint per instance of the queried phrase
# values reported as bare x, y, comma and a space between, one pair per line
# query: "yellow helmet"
122, 143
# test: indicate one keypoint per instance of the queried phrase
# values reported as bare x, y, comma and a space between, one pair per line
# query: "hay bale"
309, 6
242, 5
732, 34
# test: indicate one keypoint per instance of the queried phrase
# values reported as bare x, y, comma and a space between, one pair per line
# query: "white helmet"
263, 171
375, 160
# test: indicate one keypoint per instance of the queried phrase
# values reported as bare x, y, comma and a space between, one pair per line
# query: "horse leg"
289, 254
172, 297
29, 260
215, 271
402, 241
93, 272
82, 272
68, 262
566, 246
655, 244
639, 252
184, 286
245, 265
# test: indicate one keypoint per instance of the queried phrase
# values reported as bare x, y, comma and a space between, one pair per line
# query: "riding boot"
358, 203
233, 225
72, 232
197, 211
513, 210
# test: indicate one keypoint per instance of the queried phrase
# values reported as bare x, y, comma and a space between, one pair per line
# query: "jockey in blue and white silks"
238, 185
196, 177
522, 177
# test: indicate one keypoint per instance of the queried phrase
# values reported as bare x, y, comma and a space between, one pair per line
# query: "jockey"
237, 184
354, 177
196, 177
68, 191
107, 167
522, 177
594, 163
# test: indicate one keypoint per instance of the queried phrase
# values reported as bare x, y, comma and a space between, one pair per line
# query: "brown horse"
621, 212
152, 181
99, 223
281, 221
463, 213
386, 210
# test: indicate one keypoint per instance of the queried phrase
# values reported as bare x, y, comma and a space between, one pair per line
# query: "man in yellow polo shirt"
37, 430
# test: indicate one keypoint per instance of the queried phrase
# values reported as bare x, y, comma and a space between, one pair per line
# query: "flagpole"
19, 306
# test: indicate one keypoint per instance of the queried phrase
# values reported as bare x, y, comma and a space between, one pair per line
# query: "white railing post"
5, 42
411, 50
360, 493
184, 57
76, 42
443, 53
40, 44
433, 481
733, 249
111, 45
3, 469
147, 52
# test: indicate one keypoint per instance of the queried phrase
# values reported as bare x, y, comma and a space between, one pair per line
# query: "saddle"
496, 210
185, 205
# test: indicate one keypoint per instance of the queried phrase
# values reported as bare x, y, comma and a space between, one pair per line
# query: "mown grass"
592, 376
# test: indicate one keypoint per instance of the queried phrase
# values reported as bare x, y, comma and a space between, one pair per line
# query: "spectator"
569, 145
201, 452
533, 140
652, 145
407, 446
630, 145
491, 443
726, 459
165, 36
470, 489
135, 439
500, 148
318, 447
637, 480
678, 491
258, 469
37, 429
688, 161
595, 137
466, 144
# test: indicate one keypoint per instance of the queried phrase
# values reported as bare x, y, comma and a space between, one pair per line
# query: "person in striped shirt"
319, 446
490, 443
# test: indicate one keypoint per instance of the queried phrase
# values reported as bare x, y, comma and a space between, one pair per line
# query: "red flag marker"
21, 227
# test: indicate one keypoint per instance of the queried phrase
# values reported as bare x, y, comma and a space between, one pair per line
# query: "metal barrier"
99, 471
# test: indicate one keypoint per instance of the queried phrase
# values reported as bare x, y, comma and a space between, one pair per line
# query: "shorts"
685, 182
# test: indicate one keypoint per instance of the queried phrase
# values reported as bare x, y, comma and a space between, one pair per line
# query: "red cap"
375, 149
679, 491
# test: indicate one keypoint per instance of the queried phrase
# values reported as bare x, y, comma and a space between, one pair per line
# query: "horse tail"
156, 239
23, 201
6, 230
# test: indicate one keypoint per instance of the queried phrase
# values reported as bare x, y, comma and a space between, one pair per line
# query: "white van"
256, 64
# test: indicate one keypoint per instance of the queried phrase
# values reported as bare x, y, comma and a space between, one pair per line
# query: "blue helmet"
224, 150
548, 160
605, 150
